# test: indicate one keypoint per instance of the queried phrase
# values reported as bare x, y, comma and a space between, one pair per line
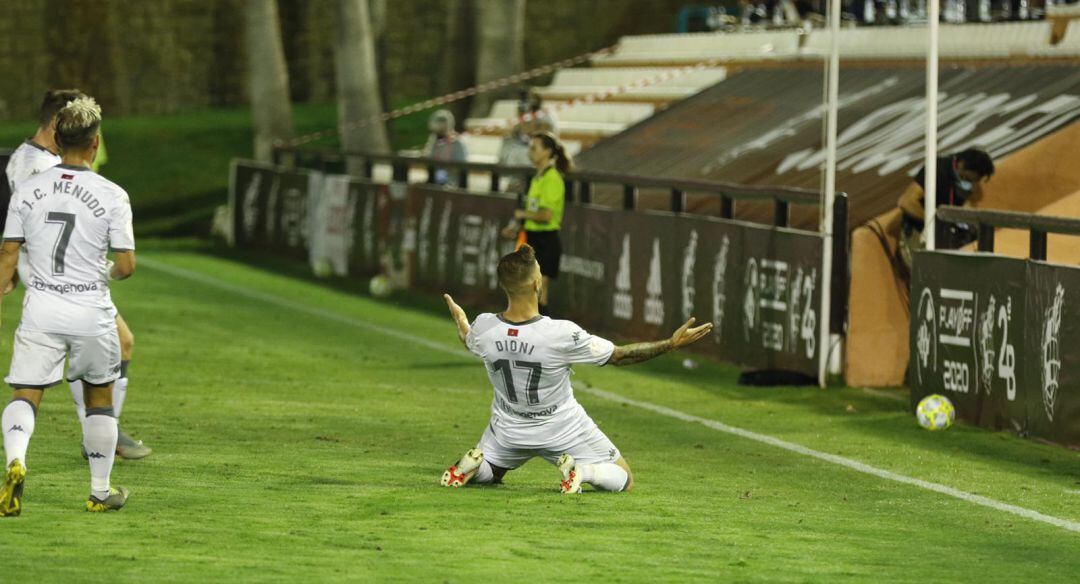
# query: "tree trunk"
357, 80
271, 111
378, 32
501, 50
458, 56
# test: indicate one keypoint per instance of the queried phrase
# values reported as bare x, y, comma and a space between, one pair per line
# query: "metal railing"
580, 184
1038, 226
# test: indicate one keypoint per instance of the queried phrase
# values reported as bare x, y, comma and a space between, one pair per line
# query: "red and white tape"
600, 95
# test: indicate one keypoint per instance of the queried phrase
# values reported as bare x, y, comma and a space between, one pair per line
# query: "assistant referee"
544, 205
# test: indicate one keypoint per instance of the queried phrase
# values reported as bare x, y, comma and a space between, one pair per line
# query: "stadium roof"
763, 127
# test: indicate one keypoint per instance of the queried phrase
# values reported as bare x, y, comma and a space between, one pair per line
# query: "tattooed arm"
639, 352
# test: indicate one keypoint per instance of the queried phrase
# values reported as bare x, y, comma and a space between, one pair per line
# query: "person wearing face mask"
444, 144
960, 177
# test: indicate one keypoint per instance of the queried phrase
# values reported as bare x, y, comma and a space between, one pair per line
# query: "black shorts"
548, 249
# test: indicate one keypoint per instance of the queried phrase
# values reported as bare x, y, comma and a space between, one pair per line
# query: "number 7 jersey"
68, 218
529, 365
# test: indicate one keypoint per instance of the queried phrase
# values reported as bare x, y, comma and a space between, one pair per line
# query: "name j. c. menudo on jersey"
76, 191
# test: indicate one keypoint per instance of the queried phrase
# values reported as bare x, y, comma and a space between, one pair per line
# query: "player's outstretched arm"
459, 317
638, 352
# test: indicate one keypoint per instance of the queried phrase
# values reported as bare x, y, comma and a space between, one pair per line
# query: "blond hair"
77, 123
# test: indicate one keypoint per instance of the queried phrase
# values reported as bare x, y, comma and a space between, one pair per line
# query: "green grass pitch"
295, 442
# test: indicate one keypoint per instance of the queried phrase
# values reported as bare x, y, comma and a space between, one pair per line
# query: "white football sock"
80, 401
18, 425
99, 438
606, 476
484, 474
119, 392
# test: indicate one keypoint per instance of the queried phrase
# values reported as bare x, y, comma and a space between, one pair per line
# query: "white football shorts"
37, 360
588, 445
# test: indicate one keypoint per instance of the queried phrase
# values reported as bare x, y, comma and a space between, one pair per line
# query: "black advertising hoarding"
1052, 348
633, 275
642, 274
252, 192
457, 243
993, 335
364, 199
967, 331
270, 207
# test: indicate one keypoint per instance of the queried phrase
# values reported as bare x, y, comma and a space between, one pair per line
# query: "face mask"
964, 185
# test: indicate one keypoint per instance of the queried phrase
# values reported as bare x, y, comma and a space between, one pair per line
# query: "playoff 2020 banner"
633, 275
992, 334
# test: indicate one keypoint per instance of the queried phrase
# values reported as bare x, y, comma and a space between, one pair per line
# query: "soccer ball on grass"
380, 286
935, 412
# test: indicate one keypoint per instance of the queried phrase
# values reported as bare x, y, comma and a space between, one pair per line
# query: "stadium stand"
585, 122
1011, 87
966, 41
485, 148
581, 82
688, 49
1069, 46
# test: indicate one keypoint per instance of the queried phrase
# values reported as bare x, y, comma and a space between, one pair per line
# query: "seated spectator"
444, 144
514, 150
960, 178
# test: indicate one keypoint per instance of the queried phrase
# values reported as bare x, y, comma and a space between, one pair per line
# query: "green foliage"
176, 167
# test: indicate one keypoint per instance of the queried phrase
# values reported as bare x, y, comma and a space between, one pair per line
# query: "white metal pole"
930, 165
833, 80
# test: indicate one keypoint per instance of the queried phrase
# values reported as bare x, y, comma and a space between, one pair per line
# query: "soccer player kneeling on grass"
68, 217
534, 413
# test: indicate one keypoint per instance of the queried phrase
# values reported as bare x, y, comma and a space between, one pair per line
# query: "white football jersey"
68, 218
26, 161
528, 364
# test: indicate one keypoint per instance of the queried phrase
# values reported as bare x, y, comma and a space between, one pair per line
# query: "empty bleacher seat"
570, 83
681, 49
583, 119
1069, 46
955, 41
483, 148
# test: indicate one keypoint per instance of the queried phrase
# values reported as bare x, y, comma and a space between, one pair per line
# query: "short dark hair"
515, 269
976, 160
54, 101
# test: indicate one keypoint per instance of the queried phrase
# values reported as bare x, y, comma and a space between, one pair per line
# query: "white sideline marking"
614, 397
297, 306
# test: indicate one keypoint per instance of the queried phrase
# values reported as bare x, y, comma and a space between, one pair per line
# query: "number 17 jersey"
68, 218
529, 365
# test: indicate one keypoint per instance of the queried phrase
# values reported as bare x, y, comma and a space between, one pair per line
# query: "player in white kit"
36, 155
68, 218
534, 413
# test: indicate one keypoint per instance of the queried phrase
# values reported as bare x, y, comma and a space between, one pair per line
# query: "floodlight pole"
833, 80
930, 165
